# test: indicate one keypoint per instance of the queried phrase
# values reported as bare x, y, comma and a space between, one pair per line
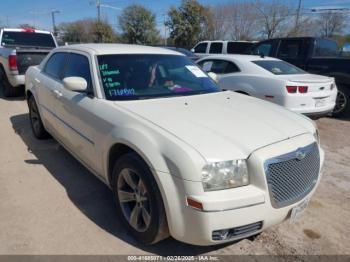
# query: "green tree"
138, 25
87, 31
189, 23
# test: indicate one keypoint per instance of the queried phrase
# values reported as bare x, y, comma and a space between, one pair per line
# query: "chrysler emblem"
300, 155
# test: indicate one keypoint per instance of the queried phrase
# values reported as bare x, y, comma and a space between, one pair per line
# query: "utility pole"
297, 17
97, 3
54, 28
165, 39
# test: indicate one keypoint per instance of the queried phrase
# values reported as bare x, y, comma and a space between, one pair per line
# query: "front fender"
163, 152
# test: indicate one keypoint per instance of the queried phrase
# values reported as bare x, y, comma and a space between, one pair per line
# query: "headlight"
226, 174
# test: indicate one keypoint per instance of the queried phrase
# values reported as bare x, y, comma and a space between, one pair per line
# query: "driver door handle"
57, 93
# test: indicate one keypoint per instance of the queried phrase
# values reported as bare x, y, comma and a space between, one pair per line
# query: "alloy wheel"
134, 200
340, 103
34, 116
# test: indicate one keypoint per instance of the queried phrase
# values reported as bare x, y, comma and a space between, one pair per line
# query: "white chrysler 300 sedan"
181, 157
273, 80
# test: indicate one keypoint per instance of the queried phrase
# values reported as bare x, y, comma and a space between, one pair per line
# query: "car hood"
224, 125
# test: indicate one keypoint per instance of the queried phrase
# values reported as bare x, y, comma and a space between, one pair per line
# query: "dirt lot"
50, 204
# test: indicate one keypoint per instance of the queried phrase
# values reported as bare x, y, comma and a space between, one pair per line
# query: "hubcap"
134, 200
340, 103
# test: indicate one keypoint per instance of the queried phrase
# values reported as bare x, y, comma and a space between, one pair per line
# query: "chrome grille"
292, 176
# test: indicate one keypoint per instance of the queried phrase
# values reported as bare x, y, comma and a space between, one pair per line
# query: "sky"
37, 12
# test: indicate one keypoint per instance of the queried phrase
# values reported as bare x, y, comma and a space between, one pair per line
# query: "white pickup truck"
19, 49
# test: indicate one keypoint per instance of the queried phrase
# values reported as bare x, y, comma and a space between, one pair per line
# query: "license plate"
320, 102
298, 211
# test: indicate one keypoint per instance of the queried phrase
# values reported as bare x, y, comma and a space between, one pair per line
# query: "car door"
224, 70
76, 109
46, 83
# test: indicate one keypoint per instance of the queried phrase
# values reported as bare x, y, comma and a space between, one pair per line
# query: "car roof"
24, 30
238, 57
244, 62
108, 49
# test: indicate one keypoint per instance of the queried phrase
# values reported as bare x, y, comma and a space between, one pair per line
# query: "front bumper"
230, 208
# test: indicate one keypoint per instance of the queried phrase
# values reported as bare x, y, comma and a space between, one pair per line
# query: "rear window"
238, 47
279, 67
27, 39
325, 47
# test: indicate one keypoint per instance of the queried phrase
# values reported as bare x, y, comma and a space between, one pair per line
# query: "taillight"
28, 30
12, 62
302, 89
294, 89
291, 89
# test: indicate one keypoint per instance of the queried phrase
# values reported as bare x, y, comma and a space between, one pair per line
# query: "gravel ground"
50, 204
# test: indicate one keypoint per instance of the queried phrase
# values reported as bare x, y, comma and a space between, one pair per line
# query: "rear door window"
238, 47
219, 66
216, 48
291, 48
263, 49
201, 48
78, 65
55, 65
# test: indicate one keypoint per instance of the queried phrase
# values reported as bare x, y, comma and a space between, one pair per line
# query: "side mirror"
192, 50
76, 84
213, 76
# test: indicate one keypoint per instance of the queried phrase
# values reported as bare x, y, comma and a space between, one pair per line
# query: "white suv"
205, 48
180, 156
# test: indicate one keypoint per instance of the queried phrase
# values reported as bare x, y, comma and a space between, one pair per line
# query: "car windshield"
143, 76
29, 39
279, 67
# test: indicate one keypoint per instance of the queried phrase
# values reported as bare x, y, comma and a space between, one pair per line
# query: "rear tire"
7, 89
36, 123
342, 107
138, 200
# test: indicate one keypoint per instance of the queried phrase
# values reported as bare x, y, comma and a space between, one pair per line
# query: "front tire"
35, 120
138, 200
342, 105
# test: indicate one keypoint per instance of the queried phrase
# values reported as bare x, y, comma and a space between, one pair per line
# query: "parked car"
314, 55
21, 48
205, 48
180, 156
184, 51
273, 80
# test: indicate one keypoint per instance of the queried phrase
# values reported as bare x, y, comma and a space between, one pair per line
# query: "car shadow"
92, 197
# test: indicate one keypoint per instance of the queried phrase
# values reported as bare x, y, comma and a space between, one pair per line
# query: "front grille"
292, 176
237, 231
